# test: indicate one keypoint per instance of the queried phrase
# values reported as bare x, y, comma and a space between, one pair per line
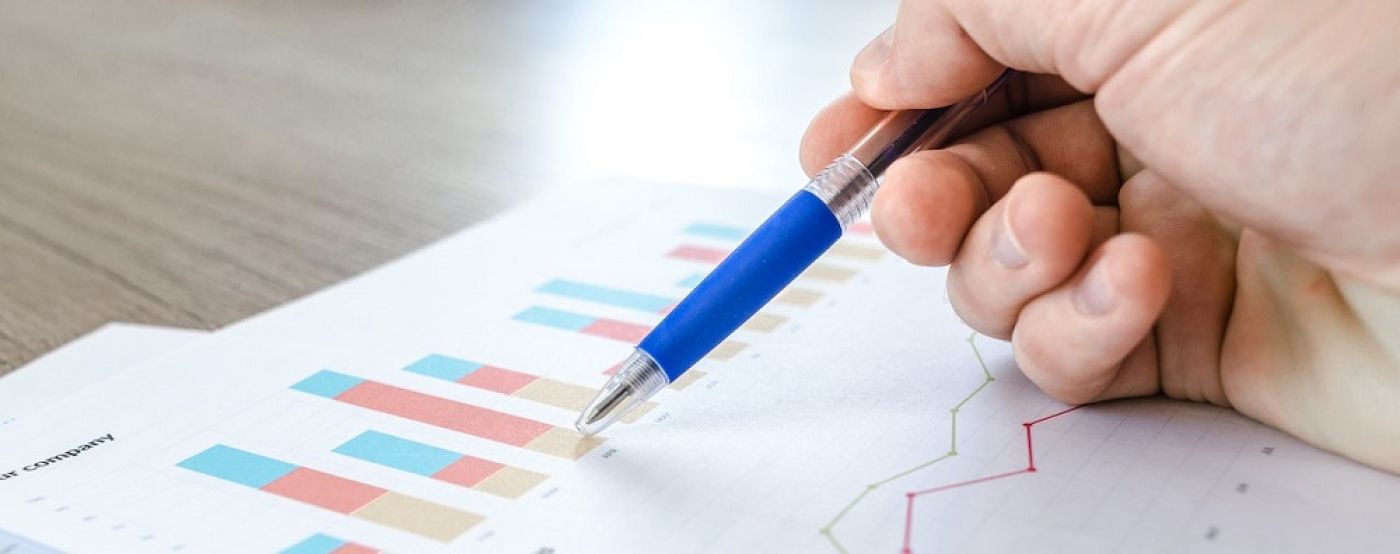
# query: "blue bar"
555, 318
604, 295
232, 464
443, 367
402, 454
327, 383
316, 544
715, 230
692, 281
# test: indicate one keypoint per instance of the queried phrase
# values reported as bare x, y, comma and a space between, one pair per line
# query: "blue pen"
770, 258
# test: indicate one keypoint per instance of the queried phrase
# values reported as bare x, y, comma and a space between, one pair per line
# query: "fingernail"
1095, 295
1005, 248
870, 58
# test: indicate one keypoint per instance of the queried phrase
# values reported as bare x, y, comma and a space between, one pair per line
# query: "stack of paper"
427, 406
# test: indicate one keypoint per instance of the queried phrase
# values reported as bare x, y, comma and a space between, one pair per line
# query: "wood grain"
192, 163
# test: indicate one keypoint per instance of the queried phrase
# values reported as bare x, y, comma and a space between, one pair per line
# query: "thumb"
940, 51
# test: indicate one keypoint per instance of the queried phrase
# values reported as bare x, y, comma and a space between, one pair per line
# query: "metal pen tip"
636, 380
594, 417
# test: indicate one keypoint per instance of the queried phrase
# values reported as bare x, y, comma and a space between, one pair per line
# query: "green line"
971, 341
979, 388
906, 472
952, 451
953, 431
835, 543
849, 505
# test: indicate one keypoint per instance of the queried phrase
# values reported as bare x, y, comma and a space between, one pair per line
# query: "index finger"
940, 51
838, 125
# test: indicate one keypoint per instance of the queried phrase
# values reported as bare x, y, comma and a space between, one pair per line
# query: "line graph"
910, 496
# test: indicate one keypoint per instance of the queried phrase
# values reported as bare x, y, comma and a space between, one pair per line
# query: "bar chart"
448, 414
795, 296
631, 333
441, 464
704, 252
331, 492
590, 308
517, 384
820, 271
620, 298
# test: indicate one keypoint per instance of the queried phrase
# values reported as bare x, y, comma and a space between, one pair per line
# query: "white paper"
762, 453
84, 362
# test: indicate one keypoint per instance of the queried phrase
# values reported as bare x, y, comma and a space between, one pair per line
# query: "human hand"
1195, 198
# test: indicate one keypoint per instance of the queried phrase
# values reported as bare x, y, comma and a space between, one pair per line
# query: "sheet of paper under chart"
428, 406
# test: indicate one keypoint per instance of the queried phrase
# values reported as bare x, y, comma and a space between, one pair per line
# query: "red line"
908, 519
1030, 468
968, 482
1030, 449
1055, 415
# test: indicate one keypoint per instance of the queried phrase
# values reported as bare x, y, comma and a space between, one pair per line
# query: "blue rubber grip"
780, 249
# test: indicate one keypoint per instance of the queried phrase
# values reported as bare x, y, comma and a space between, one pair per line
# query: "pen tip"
595, 417
638, 379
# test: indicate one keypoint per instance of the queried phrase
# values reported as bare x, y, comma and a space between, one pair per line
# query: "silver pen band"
846, 187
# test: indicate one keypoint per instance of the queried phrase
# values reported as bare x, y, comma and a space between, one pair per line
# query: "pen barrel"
901, 132
770, 258
796, 235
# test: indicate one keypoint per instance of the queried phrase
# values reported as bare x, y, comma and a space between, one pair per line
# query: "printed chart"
458, 422
428, 407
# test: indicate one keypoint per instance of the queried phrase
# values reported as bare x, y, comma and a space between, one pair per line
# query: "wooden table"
192, 163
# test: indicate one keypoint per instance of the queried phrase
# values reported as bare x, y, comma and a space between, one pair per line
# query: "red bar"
860, 228
448, 414
612, 370
698, 254
325, 490
496, 379
625, 332
467, 471
352, 548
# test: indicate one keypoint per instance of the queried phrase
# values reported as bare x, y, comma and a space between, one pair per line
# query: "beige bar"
564, 443
764, 322
827, 272
686, 379
420, 517
727, 349
856, 251
510, 482
798, 297
557, 393
640, 411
